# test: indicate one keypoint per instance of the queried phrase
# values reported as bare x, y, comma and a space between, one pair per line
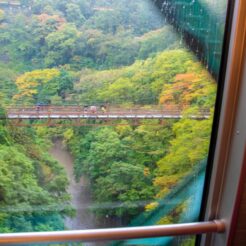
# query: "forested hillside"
92, 52
127, 163
33, 186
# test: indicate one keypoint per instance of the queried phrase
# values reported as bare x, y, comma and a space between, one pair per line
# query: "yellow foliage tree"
190, 87
1, 15
29, 83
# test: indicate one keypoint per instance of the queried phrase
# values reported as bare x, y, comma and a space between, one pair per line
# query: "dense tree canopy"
33, 186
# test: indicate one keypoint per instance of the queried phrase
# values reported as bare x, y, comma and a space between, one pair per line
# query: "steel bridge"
52, 114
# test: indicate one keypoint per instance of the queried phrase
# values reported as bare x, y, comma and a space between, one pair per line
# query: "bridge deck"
71, 112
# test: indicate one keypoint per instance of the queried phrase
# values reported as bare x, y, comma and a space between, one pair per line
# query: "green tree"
65, 83
61, 45
124, 183
74, 14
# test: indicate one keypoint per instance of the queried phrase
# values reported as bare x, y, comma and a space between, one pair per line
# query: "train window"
106, 113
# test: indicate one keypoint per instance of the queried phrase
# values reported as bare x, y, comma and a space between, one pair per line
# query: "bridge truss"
96, 116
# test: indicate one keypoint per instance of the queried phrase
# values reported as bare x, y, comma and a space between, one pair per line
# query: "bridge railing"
94, 110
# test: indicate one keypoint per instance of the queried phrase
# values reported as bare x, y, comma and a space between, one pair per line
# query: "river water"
81, 199
79, 191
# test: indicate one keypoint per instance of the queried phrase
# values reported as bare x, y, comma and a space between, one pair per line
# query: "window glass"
106, 112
